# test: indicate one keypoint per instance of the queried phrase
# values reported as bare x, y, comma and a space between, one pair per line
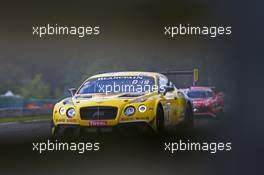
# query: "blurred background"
38, 71
131, 38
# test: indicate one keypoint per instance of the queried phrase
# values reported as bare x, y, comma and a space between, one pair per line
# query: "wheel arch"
157, 104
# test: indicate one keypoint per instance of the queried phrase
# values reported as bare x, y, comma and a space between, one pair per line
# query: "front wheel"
56, 131
160, 119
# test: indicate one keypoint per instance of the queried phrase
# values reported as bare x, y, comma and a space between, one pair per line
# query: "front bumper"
203, 111
138, 125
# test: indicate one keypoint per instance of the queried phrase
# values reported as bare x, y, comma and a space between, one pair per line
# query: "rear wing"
194, 73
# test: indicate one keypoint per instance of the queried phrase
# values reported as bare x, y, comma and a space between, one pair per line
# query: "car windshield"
118, 84
199, 94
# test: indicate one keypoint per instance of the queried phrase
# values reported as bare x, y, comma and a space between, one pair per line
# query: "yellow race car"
113, 100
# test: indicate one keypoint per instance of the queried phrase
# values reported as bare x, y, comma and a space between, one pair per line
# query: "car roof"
127, 73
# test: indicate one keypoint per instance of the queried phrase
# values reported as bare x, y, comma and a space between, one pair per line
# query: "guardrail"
16, 112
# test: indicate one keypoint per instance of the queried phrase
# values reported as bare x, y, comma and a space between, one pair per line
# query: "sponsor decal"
71, 120
142, 118
66, 120
60, 120
98, 123
126, 119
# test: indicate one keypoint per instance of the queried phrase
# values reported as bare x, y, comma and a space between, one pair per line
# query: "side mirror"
72, 91
168, 89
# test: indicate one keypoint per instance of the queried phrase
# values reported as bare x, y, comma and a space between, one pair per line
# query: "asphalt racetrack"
16, 132
131, 154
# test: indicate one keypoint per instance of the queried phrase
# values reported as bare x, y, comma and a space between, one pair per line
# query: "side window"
162, 82
172, 84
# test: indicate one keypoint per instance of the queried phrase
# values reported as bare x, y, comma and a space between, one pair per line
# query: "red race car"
206, 100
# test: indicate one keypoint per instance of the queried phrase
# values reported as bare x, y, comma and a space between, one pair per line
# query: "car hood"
199, 101
107, 99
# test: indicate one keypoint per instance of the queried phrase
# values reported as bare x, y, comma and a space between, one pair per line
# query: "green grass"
25, 118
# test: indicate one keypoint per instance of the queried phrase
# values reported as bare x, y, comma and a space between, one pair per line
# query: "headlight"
71, 113
62, 111
130, 110
142, 108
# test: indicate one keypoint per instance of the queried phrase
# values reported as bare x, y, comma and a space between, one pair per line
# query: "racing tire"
188, 119
56, 132
160, 119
